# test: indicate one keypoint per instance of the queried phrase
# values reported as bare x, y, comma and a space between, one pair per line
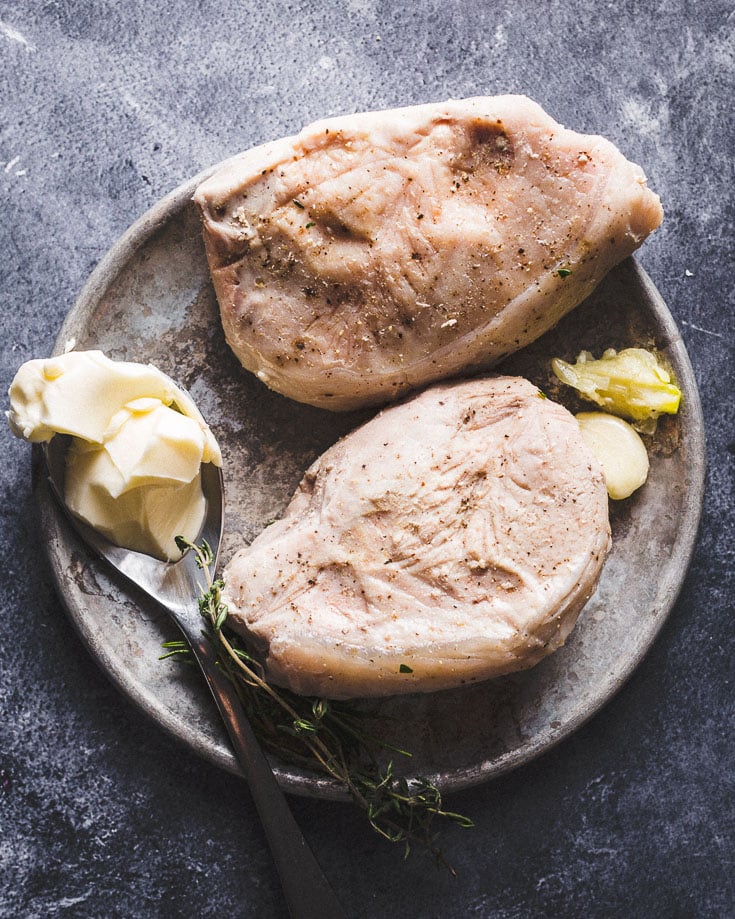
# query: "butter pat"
630, 383
146, 518
151, 444
138, 443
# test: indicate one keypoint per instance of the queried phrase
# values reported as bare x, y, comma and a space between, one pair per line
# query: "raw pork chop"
453, 538
375, 253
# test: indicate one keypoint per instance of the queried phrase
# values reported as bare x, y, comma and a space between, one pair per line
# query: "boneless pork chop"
454, 537
374, 253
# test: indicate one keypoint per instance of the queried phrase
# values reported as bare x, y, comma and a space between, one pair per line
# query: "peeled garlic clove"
619, 450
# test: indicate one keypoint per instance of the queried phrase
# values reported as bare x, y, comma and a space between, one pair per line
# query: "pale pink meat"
453, 538
375, 253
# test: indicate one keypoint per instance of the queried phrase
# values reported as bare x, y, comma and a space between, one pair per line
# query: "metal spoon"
174, 586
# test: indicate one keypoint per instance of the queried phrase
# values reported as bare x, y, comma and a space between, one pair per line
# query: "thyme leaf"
324, 735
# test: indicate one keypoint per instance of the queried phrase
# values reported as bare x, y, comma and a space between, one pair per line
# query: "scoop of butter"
138, 443
630, 383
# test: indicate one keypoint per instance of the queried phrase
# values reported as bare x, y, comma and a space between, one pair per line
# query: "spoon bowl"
173, 585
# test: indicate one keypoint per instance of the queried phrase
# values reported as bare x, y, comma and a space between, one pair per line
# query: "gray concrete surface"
105, 107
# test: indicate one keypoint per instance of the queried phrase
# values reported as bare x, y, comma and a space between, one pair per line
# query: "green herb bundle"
325, 736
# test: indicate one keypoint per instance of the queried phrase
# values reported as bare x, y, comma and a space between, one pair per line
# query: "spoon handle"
306, 889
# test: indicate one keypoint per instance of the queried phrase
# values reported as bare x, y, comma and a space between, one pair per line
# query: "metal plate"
150, 299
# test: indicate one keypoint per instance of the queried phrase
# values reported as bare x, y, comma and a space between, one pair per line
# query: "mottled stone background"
105, 107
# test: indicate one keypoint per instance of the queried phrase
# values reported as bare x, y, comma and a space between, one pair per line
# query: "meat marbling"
454, 537
375, 253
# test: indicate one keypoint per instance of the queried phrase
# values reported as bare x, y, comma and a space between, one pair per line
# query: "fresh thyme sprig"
324, 735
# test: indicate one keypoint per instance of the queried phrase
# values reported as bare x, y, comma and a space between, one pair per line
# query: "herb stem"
321, 734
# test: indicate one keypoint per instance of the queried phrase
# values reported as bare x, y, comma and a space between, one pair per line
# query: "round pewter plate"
150, 299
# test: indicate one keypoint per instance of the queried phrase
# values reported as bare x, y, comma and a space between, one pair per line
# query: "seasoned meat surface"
454, 537
375, 253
